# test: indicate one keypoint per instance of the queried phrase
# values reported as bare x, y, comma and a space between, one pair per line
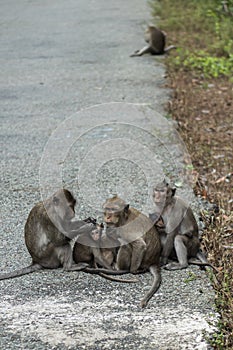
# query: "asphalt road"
58, 59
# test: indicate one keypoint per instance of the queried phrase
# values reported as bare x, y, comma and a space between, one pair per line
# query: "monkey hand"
90, 220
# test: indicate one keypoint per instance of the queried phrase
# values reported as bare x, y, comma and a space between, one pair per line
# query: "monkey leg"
167, 49
124, 254
64, 254
138, 252
141, 52
99, 259
180, 245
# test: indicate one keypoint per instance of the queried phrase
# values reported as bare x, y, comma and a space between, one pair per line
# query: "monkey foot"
78, 267
174, 266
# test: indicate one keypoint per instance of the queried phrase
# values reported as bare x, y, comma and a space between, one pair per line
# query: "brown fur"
179, 231
48, 231
156, 40
140, 243
87, 250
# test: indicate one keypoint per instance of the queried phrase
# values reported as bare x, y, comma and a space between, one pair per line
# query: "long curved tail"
155, 271
24, 271
99, 270
108, 274
201, 260
115, 279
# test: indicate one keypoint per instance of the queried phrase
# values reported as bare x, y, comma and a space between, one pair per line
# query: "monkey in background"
156, 40
178, 229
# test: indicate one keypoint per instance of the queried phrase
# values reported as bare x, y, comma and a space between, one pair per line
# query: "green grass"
202, 32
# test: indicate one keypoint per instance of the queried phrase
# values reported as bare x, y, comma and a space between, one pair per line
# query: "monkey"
88, 250
48, 231
90, 253
178, 229
117, 214
139, 242
156, 40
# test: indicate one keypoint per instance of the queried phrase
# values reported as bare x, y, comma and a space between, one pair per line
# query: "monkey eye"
111, 210
159, 190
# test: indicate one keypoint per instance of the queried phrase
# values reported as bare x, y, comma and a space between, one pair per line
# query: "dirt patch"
204, 112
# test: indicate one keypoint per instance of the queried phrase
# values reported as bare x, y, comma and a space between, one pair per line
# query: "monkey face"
115, 211
112, 216
97, 232
64, 208
70, 212
159, 194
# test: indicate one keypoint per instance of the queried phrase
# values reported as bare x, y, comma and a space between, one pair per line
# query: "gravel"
58, 59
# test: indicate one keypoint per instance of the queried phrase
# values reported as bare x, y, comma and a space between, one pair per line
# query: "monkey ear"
173, 191
55, 200
126, 208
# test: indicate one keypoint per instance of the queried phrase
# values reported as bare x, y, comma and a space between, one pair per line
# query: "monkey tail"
108, 274
21, 272
115, 279
201, 261
97, 271
155, 271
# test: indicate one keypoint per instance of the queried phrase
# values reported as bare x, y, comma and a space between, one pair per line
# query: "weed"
200, 75
191, 277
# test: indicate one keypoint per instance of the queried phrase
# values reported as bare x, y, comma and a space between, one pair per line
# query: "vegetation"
200, 74
207, 27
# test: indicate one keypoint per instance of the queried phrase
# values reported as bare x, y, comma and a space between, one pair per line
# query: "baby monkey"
156, 40
92, 251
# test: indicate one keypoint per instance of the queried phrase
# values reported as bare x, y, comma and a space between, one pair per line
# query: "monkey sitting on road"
90, 249
177, 228
138, 239
87, 249
156, 40
48, 231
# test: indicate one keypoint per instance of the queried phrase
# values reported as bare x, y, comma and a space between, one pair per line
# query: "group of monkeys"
129, 242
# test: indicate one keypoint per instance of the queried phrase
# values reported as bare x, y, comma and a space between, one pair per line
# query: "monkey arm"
168, 246
99, 259
78, 228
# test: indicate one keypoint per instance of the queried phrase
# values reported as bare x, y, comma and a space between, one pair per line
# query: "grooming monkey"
156, 40
140, 244
89, 250
177, 228
48, 231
